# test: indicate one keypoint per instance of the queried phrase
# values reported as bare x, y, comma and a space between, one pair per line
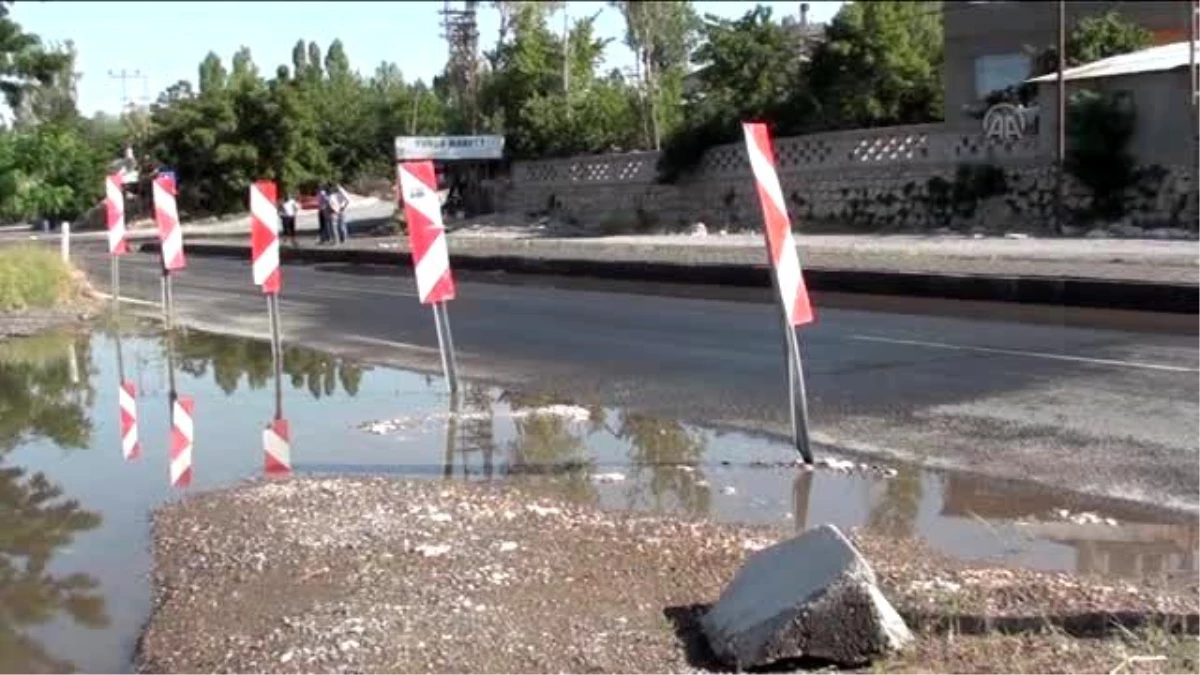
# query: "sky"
165, 41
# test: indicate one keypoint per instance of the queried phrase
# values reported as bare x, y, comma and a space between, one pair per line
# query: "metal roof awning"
1152, 60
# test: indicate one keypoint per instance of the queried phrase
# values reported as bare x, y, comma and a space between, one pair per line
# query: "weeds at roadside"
33, 278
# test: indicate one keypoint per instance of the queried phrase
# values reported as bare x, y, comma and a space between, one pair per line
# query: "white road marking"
1029, 354
131, 301
390, 343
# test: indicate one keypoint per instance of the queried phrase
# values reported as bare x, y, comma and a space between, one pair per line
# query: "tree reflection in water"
233, 359
664, 448
38, 400
895, 513
547, 446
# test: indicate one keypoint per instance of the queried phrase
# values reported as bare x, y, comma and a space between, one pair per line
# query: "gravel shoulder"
384, 575
32, 322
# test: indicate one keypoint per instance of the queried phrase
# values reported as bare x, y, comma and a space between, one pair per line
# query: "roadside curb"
1063, 291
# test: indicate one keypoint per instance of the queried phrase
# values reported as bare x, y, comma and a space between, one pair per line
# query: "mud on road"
383, 575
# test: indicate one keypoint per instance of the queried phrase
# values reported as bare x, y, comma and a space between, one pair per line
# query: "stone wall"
890, 179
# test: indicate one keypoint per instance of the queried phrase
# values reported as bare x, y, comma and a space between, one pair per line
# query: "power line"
124, 76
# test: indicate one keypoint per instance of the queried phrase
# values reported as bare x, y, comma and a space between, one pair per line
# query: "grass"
33, 278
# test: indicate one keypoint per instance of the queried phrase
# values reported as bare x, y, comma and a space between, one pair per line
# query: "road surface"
1087, 401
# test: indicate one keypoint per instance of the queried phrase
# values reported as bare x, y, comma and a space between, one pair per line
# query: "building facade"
992, 45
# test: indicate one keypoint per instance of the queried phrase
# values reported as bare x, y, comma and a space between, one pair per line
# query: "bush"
33, 277
1099, 130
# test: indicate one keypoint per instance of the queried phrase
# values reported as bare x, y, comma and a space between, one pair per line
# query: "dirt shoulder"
382, 575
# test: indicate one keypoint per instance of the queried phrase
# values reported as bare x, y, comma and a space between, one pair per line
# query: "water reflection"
663, 455
233, 360
896, 511
44, 394
1132, 548
549, 444
38, 395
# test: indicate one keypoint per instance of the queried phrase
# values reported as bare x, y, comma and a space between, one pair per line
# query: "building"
1154, 81
992, 45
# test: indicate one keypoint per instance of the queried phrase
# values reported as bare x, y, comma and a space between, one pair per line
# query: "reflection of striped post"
785, 270
182, 437
277, 452
131, 447
431, 257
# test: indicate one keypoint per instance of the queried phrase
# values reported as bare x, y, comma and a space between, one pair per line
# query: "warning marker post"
785, 274
431, 257
264, 252
170, 236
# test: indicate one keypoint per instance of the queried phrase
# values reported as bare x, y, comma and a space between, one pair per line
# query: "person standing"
341, 201
287, 217
323, 214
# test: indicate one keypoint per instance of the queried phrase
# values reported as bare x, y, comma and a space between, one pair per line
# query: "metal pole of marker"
451, 438
797, 395
276, 352
441, 321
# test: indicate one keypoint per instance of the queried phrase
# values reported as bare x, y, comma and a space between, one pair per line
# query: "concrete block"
811, 596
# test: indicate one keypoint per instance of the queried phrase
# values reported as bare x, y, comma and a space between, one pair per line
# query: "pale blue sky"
167, 40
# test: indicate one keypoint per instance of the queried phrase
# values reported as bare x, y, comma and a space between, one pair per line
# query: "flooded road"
74, 544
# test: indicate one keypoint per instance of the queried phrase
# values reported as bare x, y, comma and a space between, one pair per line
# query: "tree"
1100, 128
1099, 37
880, 65
48, 171
1092, 39
25, 63
660, 34
747, 69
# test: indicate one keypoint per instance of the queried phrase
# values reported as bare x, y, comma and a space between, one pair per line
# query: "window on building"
1000, 71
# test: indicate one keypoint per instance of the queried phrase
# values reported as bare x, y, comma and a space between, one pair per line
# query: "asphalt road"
1094, 402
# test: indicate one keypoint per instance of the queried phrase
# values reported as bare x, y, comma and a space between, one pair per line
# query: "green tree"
880, 65
660, 34
1100, 128
25, 63
48, 171
746, 69
1092, 39
1099, 37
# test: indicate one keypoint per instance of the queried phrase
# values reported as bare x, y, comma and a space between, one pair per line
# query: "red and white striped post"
431, 257
182, 440
131, 446
114, 220
264, 236
170, 236
785, 272
264, 255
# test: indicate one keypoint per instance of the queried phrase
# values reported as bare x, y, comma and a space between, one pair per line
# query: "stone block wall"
891, 179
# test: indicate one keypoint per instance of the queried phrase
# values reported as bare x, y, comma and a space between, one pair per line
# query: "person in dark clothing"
324, 214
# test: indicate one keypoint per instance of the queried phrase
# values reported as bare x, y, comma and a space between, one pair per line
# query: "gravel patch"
383, 575
31, 322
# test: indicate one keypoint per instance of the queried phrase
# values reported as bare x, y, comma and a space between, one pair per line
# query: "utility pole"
566, 52
1061, 149
124, 76
566, 60
1194, 82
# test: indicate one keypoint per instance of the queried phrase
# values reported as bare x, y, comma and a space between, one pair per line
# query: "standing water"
74, 514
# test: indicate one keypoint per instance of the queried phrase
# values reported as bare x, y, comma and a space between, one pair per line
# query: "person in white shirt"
340, 200
287, 216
